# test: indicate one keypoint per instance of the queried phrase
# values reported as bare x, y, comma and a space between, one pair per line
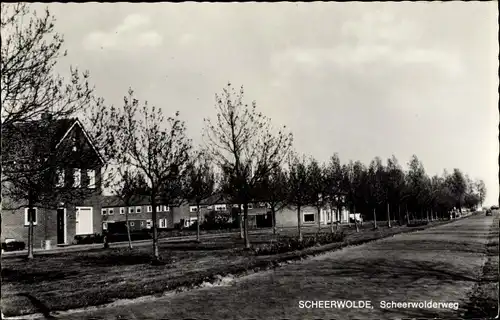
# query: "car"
494, 208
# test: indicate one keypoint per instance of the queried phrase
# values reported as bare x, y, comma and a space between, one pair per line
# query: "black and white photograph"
250, 160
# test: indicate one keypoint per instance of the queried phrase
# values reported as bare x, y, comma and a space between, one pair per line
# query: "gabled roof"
138, 200
44, 136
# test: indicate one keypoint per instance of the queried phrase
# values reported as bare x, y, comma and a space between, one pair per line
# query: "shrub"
216, 220
89, 239
287, 244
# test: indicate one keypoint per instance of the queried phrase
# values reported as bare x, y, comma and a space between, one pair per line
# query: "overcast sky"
360, 79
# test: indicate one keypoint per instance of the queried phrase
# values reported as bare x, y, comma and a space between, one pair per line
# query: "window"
60, 176
162, 223
193, 209
210, 207
309, 217
220, 207
138, 209
122, 210
132, 223
77, 177
142, 223
104, 212
158, 208
104, 226
166, 208
34, 216
150, 209
130, 210
250, 206
149, 223
111, 211
91, 177
236, 205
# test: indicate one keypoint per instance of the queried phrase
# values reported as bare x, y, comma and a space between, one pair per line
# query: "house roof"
39, 136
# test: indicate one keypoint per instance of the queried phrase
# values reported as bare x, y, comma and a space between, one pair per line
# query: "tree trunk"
375, 218
128, 230
427, 213
399, 215
355, 221
240, 214
31, 237
407, 216
198, 222
247, 240
319, 219
331, 218
273, 213
156, 254
388, 216
299, 223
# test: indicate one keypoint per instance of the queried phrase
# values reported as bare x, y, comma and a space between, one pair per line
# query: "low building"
287, 217
139, 211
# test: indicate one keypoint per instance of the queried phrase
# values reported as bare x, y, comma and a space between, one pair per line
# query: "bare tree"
200, 184
157, 147
128, 184
274, 192
242, 142
334, 191
318, 187
299, 186
29, 53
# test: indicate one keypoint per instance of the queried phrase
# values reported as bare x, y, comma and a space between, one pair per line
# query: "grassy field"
79, 279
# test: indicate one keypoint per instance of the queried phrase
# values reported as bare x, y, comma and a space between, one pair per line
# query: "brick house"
80, 170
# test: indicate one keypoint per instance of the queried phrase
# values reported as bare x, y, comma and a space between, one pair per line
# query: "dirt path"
440, 264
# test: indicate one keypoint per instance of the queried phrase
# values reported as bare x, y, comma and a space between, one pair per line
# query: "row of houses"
97, 212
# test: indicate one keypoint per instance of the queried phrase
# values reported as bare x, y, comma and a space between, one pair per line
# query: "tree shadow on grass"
30, 277
39, 305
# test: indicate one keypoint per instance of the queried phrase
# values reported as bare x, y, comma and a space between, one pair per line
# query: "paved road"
439, 264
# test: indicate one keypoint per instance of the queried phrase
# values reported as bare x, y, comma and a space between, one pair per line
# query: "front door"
61, 227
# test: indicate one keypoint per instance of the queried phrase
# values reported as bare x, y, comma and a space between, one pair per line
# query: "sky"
359, 79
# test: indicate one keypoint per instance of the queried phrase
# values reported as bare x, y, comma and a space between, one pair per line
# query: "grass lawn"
79, 279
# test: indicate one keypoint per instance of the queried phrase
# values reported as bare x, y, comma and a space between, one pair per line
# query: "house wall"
287, 217
144, 215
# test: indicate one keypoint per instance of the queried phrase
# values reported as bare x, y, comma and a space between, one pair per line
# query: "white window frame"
250, 206
26, 221
162, 223
111, 211
149, 223
193, 209
91, 177
131, 210
138, 209
142, 223
61, 178
308, 213
210, 207
104, 226
131, 223
220, 207
77, 178
104, 211
150, 209
122, 210
166, 208
158, 208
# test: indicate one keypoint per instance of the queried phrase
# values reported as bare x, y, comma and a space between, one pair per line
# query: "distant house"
114, 209
287, 217
80, 171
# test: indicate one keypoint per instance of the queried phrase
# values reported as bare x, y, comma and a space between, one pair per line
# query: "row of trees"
242, 154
